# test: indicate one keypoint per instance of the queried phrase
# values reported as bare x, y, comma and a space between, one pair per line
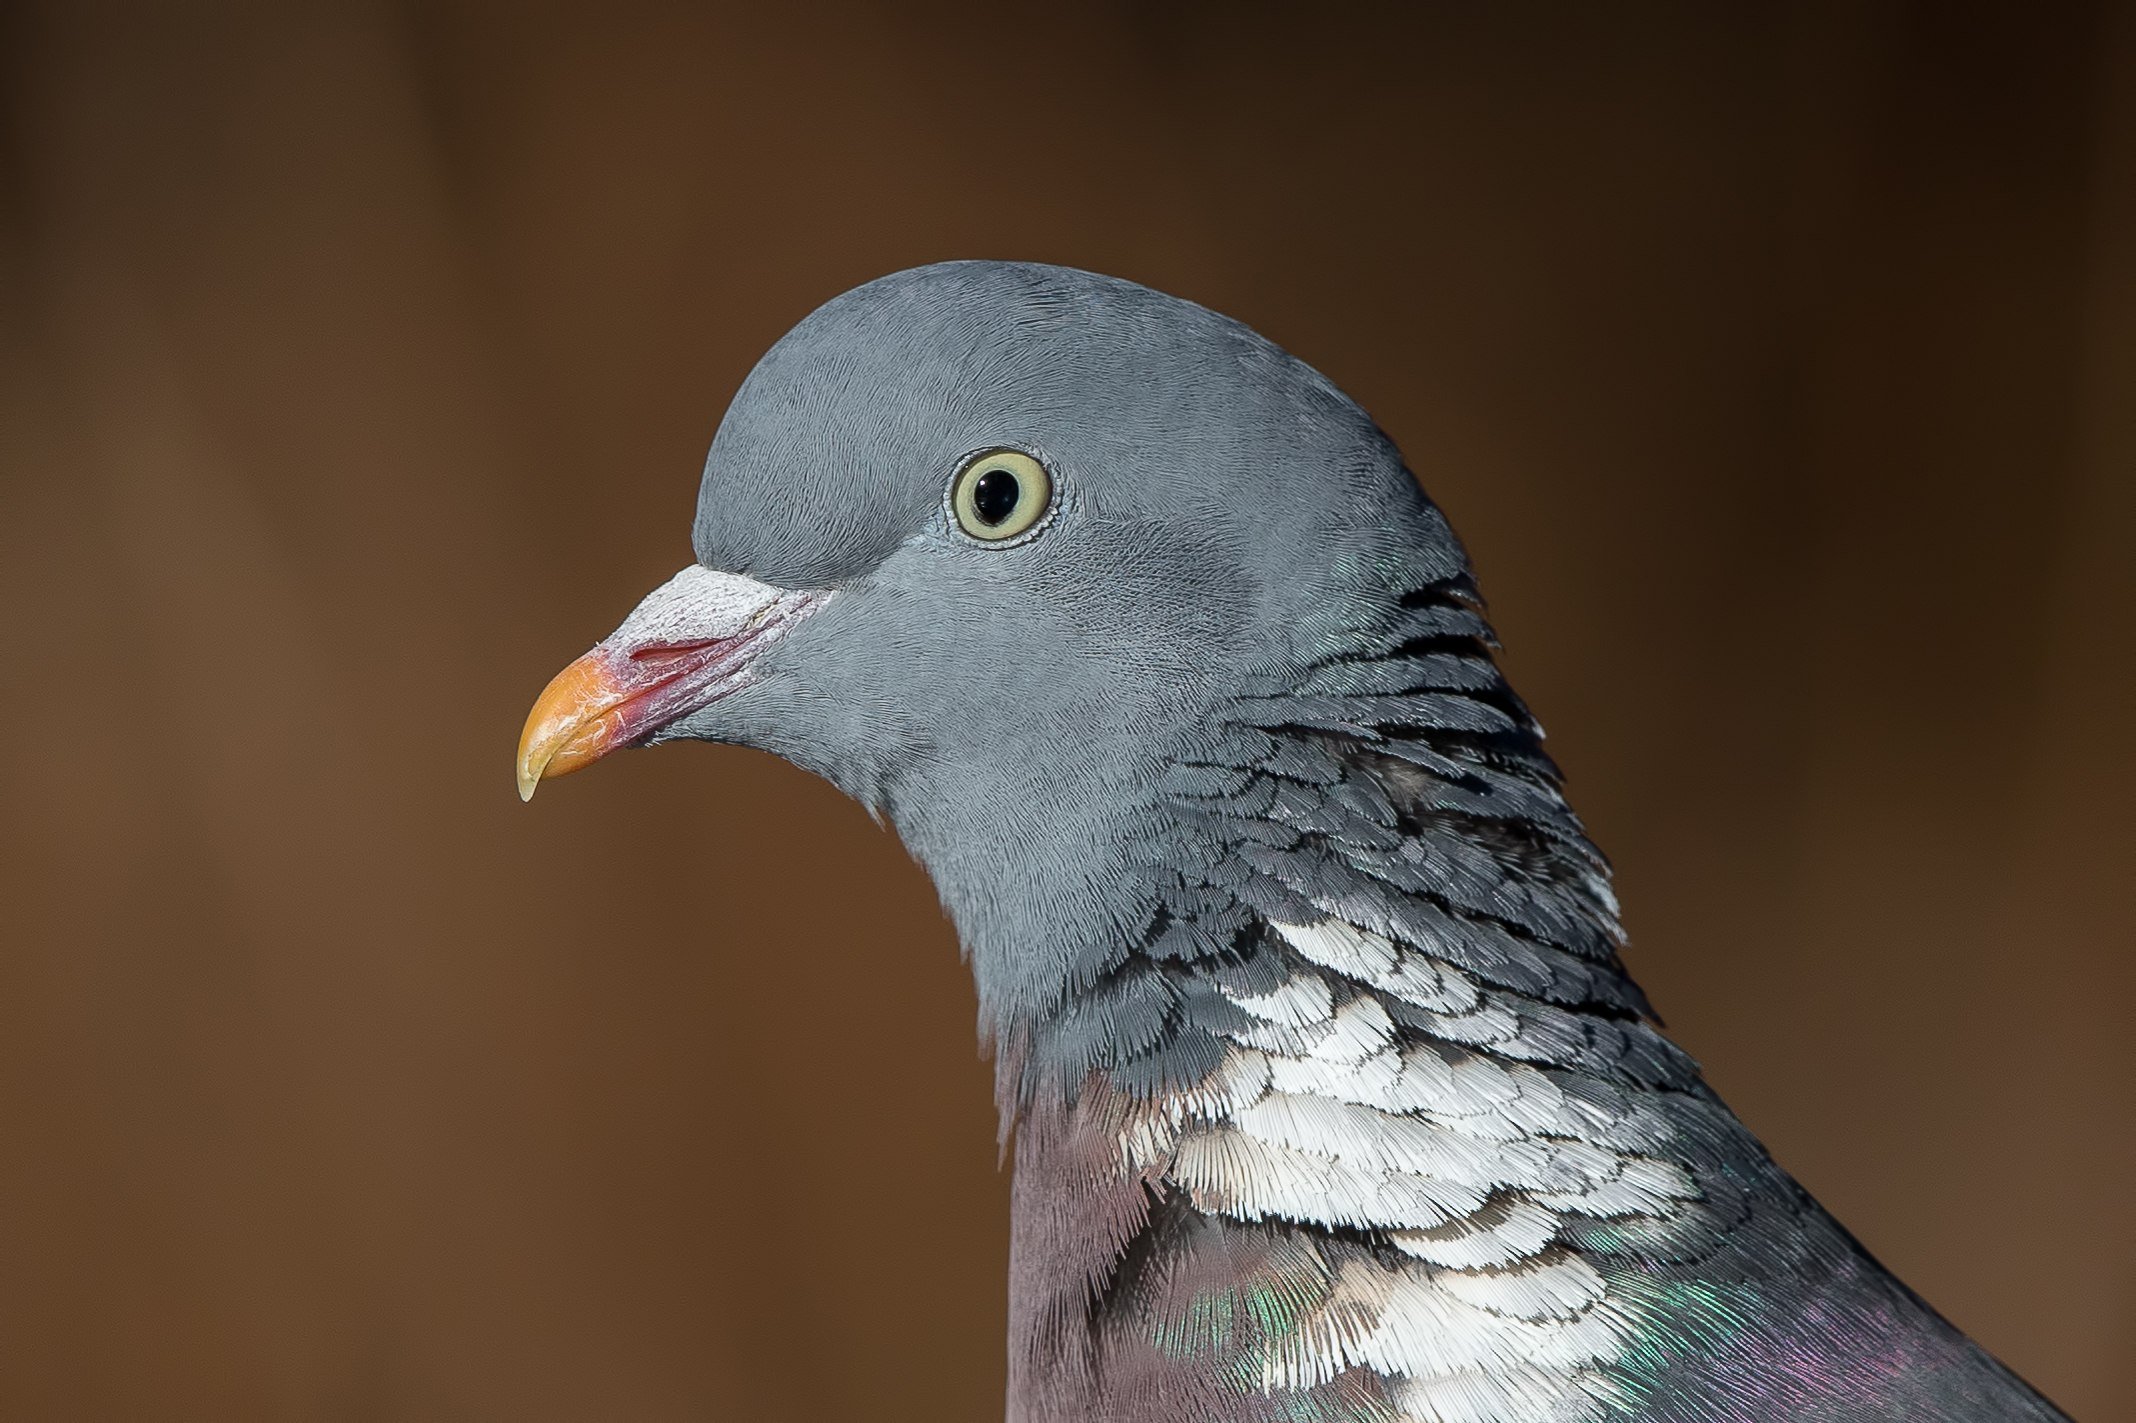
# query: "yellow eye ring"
1000, 494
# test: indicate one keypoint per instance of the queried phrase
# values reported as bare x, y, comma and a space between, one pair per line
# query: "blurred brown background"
356, 361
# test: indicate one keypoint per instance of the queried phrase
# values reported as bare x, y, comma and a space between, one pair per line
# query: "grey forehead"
835, 448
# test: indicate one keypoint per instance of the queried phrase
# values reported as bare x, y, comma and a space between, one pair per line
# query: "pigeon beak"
693, 640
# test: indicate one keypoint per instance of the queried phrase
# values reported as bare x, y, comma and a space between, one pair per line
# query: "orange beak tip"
570, 725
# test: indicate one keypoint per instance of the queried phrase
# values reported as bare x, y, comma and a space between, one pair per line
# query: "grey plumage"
1333, 1098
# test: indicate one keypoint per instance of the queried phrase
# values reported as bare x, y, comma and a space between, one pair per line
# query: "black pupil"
994, 496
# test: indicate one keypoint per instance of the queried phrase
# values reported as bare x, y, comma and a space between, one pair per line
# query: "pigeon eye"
999, 495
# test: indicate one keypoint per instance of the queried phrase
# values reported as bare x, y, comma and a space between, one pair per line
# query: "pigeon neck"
1368, 971
1377, 773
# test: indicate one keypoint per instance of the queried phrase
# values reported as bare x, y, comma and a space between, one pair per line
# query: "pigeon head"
985, 545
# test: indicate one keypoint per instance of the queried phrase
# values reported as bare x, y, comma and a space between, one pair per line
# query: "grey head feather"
1224, 517
1336, 1102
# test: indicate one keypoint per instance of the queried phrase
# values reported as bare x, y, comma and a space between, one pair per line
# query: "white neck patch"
1469, 1161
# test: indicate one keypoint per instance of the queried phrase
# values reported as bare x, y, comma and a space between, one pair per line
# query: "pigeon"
1331, 1099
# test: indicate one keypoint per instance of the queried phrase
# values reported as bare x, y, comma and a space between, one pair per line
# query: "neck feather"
1354, 1113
